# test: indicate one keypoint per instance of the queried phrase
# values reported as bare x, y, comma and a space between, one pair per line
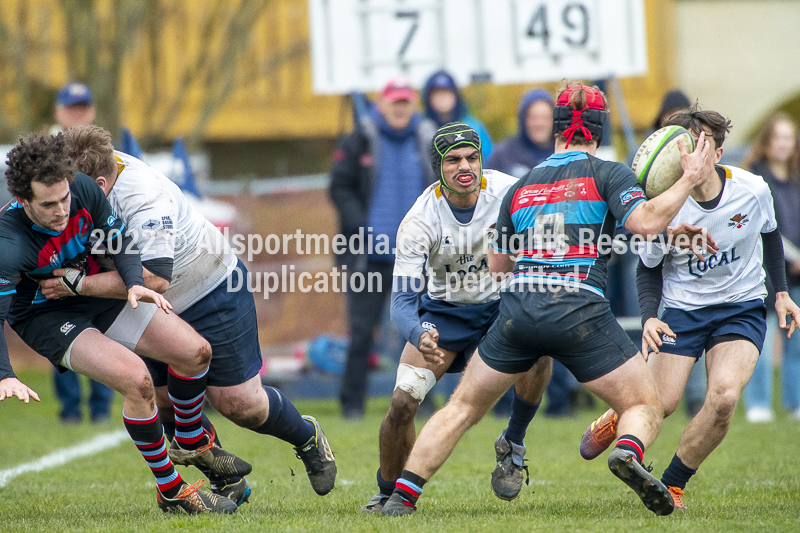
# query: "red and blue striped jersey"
29, 253
556, 216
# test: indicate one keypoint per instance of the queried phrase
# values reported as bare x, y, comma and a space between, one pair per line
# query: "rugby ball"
657, 163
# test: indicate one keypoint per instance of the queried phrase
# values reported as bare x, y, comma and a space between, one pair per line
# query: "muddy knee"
403, 407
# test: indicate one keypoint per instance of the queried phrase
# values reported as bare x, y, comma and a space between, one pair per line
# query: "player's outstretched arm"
13, 387
653, 216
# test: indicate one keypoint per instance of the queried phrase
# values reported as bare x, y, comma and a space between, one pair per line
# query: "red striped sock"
187, 395
631, 445
148, 436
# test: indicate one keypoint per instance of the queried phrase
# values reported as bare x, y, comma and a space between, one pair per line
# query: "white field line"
64, 455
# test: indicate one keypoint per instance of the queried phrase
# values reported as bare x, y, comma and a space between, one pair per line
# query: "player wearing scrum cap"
446, 235
714, 305
540, 223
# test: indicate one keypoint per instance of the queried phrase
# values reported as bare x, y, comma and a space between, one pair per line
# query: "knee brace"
414, 380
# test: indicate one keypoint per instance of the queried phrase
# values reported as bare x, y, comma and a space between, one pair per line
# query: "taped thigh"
414, 380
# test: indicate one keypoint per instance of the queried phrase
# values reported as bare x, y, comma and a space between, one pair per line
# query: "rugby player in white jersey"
716, 305
446, 235
189, 260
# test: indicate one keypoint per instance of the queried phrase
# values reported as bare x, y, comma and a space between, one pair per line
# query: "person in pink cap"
379, 170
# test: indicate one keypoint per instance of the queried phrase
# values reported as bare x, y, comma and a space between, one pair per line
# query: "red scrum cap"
588, 119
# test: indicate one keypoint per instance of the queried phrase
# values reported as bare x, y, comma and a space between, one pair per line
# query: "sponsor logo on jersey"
67, 327
4, 281
151, 224
738, 221
667, 340
427, 326
628, 195
699, 268
166, 222
111, 220
55, 260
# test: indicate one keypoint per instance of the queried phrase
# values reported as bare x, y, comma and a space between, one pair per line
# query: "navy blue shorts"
460, 327
227, 320
695, 330
576, 328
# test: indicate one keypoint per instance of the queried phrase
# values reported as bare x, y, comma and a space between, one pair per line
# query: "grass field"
750, 483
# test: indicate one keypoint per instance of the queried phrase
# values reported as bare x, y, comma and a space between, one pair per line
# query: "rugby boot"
507, 475
653, 493
318, 459
238, 492
677, 497
212, 457
190, 500
397, 506
375, 504
599, 435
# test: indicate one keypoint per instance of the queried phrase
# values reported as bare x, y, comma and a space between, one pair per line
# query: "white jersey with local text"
164, 225
735, 273
431, 239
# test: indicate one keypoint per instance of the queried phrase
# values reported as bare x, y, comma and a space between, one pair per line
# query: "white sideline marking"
59, 457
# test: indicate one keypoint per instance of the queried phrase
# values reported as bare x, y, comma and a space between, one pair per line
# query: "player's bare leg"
478, 391
669, 372
169, 339
397, 433
104, 360
730, 365
509, 447
631, 392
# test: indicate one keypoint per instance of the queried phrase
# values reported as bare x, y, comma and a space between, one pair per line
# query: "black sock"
284, 421
385, 487
522, 412
409, 487
677, 474
632, 445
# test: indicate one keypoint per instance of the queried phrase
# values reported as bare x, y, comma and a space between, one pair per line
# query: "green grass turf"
750, 483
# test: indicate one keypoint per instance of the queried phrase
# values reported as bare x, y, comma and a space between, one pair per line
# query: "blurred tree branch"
111, 44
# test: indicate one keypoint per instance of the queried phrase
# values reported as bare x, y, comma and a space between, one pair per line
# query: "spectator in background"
444, 104
378, 172
775, 155
674, 101
533, 143
75, 107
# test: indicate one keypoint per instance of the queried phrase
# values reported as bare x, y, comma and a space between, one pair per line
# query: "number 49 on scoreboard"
360, 44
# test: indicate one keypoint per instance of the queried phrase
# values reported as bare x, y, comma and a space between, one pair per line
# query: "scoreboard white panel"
360, 44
